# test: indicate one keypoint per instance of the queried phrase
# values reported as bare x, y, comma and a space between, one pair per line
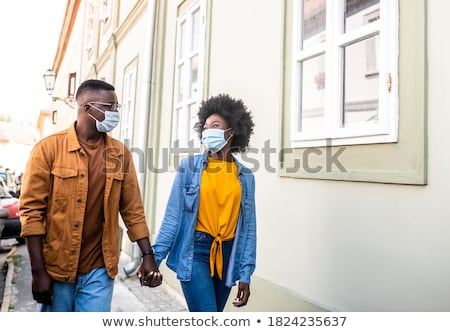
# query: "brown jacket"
53, 201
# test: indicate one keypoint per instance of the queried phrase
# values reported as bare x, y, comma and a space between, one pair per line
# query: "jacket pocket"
190, 194
64, 181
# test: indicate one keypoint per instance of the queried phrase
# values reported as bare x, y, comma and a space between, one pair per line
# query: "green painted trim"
154, 118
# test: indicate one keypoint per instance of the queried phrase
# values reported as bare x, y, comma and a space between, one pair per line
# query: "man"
75, 185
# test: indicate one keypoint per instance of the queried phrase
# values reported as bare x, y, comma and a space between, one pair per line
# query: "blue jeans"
91, 292
203, 292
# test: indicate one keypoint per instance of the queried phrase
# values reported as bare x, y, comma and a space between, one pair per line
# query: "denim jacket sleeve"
171, 222
248, 261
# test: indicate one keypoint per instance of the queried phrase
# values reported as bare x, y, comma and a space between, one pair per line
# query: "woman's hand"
242, 295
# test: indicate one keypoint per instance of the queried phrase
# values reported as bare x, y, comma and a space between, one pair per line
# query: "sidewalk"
128, 295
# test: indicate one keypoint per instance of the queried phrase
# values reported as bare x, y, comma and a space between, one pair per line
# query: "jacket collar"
74, 145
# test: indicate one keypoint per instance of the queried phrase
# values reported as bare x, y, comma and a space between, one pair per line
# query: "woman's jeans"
91, 292
203, 292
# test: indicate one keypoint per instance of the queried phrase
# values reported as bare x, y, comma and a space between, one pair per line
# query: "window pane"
361, 12
314, 19
360, 83
194, 76
176, 124
313, 93
193, 109
195, 29
180, 80
181, 40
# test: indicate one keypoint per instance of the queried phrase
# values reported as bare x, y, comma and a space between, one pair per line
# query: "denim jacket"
176, 235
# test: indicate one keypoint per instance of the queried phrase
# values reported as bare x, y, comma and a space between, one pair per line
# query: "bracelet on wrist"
147, 252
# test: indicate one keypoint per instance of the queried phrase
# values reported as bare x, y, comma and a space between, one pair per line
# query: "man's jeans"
202, 292
91, 292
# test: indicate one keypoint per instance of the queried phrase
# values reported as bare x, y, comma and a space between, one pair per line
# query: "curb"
7, 292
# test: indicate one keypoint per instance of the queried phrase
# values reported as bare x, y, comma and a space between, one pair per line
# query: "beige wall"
335, 245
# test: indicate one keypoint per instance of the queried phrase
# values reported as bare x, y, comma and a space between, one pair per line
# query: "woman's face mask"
214, 139
110, 121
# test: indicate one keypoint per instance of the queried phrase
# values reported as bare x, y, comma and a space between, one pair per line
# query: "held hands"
148, 272
242, 295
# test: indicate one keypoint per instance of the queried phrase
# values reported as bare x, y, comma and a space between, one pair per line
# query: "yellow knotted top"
220, 199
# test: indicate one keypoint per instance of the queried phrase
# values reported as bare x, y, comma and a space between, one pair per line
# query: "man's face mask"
214, 139
110, 121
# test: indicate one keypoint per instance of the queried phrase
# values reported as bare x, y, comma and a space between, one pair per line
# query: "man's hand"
41, 283
148, 272
42, 287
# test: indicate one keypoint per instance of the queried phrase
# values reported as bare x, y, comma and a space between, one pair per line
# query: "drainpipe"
131, 267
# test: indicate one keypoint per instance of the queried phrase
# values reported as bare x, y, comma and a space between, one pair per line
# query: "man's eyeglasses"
114, 107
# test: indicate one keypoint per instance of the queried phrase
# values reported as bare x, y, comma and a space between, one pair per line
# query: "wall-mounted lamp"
49, 81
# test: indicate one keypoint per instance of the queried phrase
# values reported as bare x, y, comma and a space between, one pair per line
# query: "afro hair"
234, 112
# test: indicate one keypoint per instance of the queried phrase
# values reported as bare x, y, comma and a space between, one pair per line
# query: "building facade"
350, 110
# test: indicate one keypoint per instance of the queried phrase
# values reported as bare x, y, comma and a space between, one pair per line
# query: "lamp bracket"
69, 101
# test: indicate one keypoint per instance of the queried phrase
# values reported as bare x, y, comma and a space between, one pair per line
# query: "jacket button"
79, 200
76, 225
72, 251
82, 175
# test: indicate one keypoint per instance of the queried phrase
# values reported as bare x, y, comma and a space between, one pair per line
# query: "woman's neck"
224, 155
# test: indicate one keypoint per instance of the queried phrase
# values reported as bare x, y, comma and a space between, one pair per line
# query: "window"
344, 72
332, 113
128, 102
188, 72
105, 10
89, 36
71, 89
105, 13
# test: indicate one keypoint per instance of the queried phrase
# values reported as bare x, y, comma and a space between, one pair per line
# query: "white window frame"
185, 110
386, 128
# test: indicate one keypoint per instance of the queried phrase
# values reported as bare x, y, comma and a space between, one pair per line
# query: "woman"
209, 227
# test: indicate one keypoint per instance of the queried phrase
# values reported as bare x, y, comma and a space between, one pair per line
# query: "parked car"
11, 224
10, 180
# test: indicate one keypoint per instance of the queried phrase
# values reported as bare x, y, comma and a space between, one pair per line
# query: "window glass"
313, 96
314, 22
357, 10
360, 87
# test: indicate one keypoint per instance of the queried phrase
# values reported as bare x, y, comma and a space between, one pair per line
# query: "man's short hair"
93, 85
